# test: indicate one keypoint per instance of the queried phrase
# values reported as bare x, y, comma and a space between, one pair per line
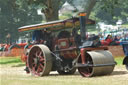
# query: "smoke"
81, 5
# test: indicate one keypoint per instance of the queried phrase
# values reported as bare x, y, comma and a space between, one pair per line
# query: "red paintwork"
103, 42
69, 53
7, 46
118, 42
22, 44
82, 51
24, 57
106, 43
67, 47
63, 43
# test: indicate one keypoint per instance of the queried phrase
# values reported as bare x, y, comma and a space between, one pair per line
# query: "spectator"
101, 37
125, 38
108, 39
116, 38
37, 35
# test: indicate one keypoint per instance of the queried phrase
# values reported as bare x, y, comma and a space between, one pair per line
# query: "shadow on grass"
54, 73
19, 65
77, 73
119, 73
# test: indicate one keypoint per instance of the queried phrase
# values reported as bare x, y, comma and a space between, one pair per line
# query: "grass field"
17, 60
10, 60
11, 73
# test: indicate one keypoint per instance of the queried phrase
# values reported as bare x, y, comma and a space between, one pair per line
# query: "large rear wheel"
40, 60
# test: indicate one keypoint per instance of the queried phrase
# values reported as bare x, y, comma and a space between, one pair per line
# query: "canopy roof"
55, 25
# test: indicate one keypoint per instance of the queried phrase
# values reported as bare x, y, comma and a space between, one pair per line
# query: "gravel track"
119, 71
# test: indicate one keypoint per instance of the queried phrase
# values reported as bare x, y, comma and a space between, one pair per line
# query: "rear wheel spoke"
33, 70
41, 60
41, 66
37, 60
37, 64
40, 53
39, 69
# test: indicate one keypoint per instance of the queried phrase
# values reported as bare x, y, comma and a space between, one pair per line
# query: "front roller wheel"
40, 60
85, 71
102, 64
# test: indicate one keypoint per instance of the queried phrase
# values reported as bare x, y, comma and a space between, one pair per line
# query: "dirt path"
17, 76
119, 71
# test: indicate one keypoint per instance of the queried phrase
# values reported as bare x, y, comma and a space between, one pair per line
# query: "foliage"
50, 8
110, 11
119, 60
65, 16
14, 14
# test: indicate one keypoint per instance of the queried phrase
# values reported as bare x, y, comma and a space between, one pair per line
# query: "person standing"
8, 38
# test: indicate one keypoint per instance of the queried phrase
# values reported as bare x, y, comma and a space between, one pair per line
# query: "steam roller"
96, 63
68, 50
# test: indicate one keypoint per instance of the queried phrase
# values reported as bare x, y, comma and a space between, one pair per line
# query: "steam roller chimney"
82, 18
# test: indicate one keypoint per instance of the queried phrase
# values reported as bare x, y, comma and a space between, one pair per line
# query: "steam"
81, 5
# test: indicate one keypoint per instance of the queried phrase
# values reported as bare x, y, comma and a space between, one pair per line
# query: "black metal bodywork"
125, 49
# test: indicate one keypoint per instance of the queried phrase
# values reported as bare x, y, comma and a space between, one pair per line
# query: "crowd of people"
113, 40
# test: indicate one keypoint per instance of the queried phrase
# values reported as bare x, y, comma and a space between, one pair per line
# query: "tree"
84, 5
14, 14
110, 11
49, 7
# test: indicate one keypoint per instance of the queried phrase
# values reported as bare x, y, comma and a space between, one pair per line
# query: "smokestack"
82, 19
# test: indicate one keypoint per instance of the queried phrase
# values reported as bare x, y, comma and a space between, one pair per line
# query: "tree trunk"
51, 12
84, 5
91, 4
